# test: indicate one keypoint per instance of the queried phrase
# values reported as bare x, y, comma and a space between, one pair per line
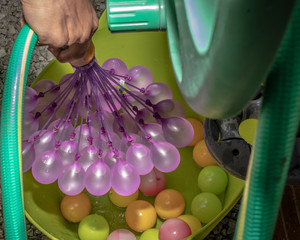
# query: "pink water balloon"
125, 180
169, 108
157, 92
145, 115
71, 180
174, 229
30, 125
115, 65
140, 158
105, 106
140, 76
121, 234
44, 85
108, 118
97, 178
125, 143
154, 130
63, 129
28, 155
84, 133
67, 151
129, 124
45, 142
133, 101
178, 131
47, 167
47, 113
88, 156
30, 99
153, 183
111, 157
165, 156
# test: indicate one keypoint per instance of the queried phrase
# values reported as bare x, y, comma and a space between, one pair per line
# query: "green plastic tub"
150, 49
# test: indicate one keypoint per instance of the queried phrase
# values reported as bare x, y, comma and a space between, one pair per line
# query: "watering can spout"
221, 51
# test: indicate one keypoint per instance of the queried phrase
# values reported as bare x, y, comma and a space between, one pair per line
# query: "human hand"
61, 23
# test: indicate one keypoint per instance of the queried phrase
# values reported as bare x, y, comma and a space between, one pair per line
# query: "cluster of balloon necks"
102, 127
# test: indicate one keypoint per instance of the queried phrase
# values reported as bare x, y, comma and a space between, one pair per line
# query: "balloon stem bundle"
102, 127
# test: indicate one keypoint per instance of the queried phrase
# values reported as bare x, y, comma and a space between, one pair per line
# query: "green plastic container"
151, 50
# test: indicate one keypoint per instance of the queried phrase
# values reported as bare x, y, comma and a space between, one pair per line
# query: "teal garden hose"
11, 134
277, 128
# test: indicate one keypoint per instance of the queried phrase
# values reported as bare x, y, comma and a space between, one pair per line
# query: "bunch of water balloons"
102, 127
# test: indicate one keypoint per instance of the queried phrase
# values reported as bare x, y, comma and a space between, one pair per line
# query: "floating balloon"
153, 183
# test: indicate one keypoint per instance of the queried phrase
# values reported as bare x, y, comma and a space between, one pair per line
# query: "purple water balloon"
115, 65
44, 85
125, 143
140, 76
104, 104
28, 155
30, 125
157, 92
64, 129
132, 101
140, 158
121, 234
45, 142
30, 99
125, 180
178, 131
112, 157
47, 167
169, 108
165, 156
88, 156
129, 123
71, 180
154, 130
47, 112
107, 116
85, 133
146, 115
67, 151
97, 178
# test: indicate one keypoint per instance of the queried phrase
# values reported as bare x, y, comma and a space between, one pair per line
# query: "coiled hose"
11, 135
277, 128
